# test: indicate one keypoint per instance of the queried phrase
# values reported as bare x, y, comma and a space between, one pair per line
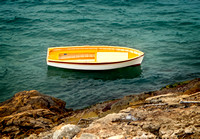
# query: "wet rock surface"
172, 112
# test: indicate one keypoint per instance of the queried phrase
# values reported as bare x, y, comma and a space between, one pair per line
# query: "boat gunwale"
63, 47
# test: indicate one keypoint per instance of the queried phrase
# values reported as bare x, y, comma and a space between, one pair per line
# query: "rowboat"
93, 57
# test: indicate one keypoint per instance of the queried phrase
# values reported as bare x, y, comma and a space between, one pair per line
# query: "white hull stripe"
96, 66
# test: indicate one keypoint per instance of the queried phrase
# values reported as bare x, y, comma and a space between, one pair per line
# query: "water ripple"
167, 31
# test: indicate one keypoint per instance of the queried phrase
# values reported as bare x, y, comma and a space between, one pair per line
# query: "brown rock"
29, 112
161, 116
31, 100
152, 122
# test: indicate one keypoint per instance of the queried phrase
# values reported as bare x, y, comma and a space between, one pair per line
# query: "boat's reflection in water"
122, 73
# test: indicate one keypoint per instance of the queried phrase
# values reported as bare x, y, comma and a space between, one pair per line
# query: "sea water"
167, 31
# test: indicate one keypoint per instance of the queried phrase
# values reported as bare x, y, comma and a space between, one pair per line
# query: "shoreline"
34, 115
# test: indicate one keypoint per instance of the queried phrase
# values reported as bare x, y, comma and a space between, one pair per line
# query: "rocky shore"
171, 112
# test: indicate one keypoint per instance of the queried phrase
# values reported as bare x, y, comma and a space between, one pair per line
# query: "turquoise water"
167, 31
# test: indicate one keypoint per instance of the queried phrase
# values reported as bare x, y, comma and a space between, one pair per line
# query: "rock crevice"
172, 112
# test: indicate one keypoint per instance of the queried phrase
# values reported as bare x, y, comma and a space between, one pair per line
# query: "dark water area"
167, 31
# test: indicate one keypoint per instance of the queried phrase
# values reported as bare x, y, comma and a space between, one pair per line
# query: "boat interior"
97, 54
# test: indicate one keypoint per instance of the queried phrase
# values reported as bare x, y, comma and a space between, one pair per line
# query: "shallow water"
168, 32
